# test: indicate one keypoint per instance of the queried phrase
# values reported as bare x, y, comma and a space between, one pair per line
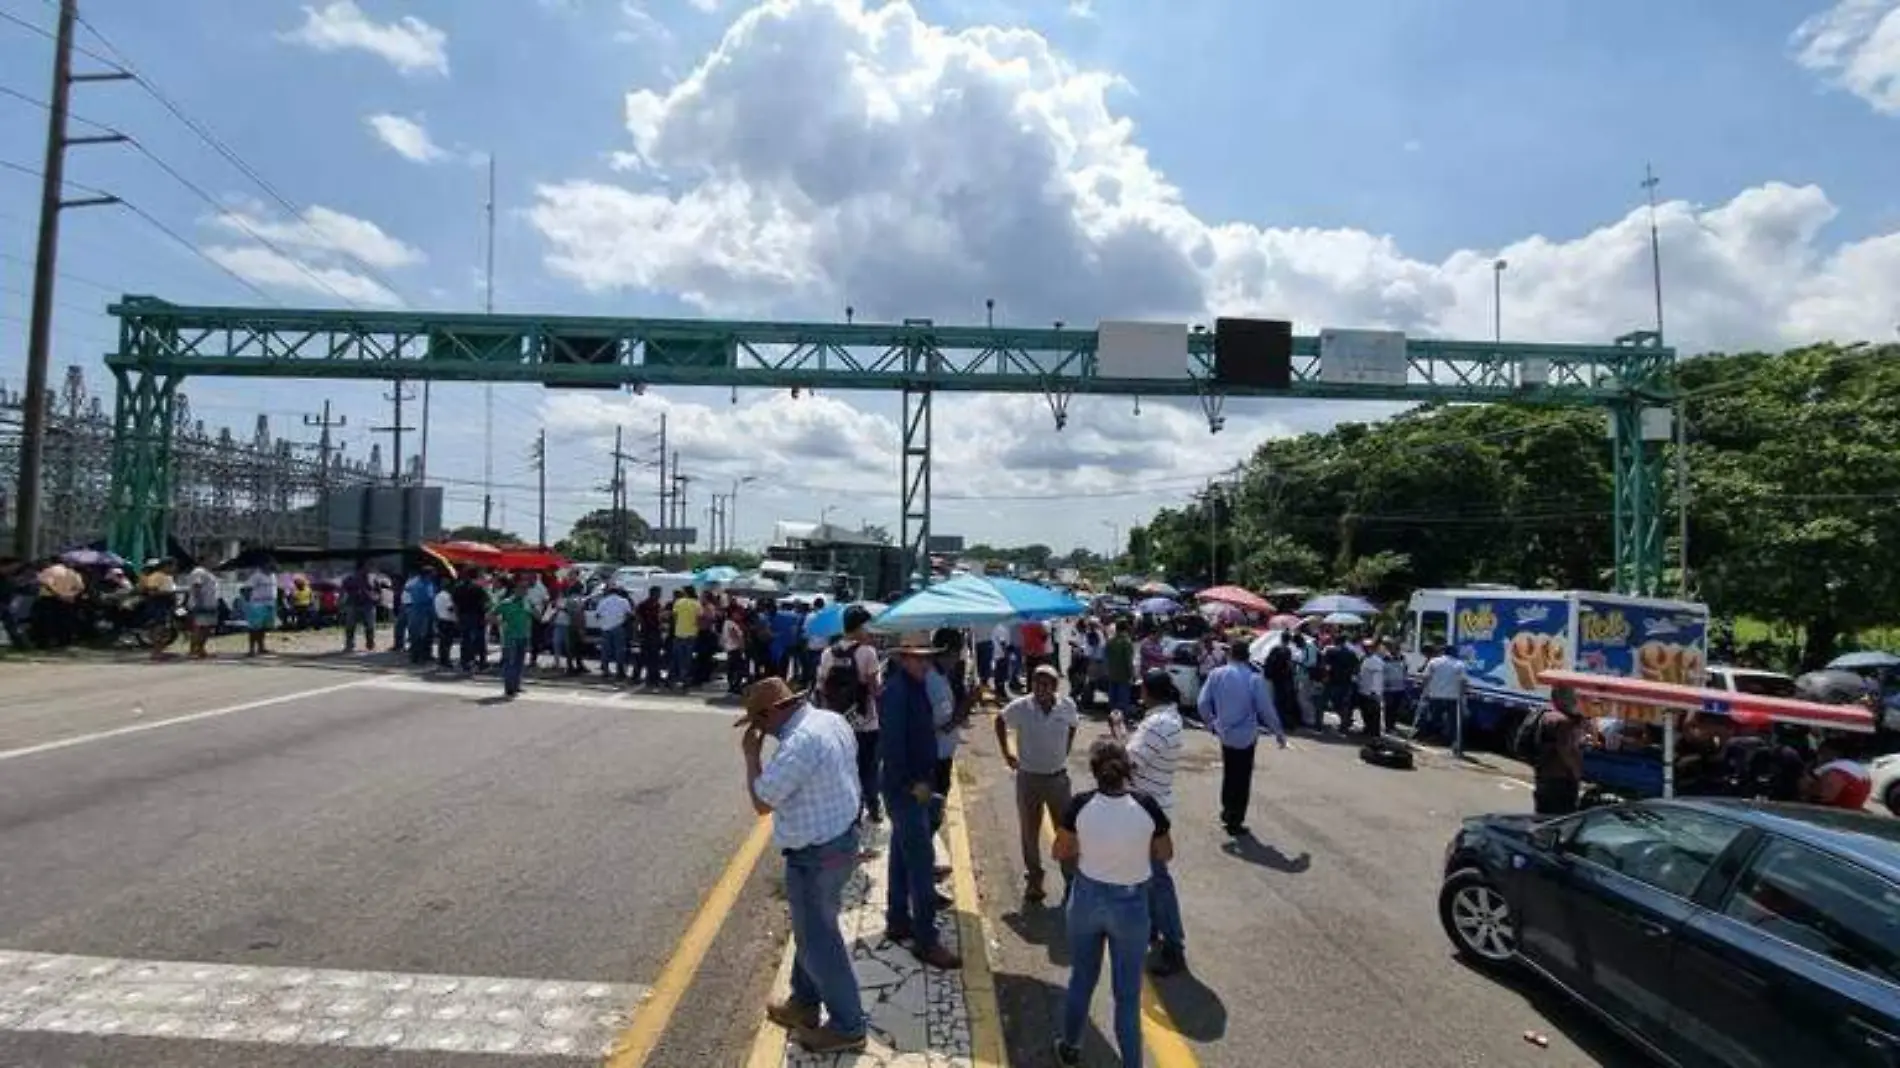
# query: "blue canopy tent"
976, 601
828, 622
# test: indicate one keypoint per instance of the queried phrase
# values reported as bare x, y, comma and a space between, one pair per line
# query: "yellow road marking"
1166, 1047
633, 1045
979, 983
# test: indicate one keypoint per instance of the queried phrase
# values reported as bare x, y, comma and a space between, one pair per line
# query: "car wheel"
1477, 919
1892, 800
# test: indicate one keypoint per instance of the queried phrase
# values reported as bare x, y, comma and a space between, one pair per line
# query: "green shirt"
517, 619
1120, 656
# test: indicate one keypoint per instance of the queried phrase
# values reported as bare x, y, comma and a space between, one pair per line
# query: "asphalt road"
1312, 945
333, 850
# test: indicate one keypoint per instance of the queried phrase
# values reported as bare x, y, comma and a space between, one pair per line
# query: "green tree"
591, 537
485, 535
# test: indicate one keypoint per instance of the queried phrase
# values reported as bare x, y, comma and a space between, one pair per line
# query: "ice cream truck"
1508, 637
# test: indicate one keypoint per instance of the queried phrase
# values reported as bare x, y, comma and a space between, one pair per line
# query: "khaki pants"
1036, 794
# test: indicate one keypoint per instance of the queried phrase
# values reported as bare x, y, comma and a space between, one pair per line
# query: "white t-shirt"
1155, 748
1372, 675
614, 611
1444, 678
262, 587
999, 636
444, 605
1115, 834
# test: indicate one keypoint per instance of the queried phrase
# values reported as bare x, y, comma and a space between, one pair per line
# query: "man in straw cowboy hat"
907, 751
810, 788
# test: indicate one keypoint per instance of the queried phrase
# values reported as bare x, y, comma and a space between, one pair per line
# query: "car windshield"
1765, 685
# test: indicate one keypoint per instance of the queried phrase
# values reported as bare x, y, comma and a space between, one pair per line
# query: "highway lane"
1315, 944
347, 831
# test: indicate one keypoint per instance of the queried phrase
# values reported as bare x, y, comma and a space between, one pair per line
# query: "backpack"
844, 687
1388, 753
1527, 743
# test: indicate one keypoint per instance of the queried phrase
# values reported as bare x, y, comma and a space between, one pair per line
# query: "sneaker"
793, 1015
823, 1040
1066, 1055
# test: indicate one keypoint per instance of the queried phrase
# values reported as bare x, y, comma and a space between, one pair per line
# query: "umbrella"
1862, 661
1338, 602
1285, 621
717, 575
976, 600
1344, 619
1832, 687
1257, 652
1222, 612
1245, 600
91, 558
828, 622
1158, 606
1158, 589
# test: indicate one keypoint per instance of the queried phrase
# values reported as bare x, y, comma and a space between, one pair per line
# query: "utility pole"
538, 453
39, 346
617, 526
395, 429
488, 389
1649, 184
666, 486
680, 485
325, 450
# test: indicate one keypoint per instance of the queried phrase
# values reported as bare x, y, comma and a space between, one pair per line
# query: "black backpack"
843, 685
1527, 742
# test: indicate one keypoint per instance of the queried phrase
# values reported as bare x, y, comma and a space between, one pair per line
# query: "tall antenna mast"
488, 390
1650, 182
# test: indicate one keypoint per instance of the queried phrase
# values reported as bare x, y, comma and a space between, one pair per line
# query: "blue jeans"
359, 615
613, 650
912, 907
815, 878
682, 662
514, 654
1121, 697
1164, 908
421, 633
474, 643
1102, 915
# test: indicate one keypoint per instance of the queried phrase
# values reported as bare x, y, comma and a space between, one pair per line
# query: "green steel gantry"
160, 344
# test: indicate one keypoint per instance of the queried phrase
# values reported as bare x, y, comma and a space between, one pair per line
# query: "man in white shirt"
1045, 725
538, 598
613, 611
849, 684
446, 627
1445, 685
1155, 751
1371, 691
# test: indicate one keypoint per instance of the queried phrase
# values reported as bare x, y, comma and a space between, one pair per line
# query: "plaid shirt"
811, 782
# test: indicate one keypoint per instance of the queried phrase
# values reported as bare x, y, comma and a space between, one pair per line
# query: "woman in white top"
1113, 834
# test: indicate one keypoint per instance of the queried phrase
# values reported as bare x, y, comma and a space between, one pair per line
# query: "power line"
49, 35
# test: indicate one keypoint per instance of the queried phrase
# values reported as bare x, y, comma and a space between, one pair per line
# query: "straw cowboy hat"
917, 643
765, 695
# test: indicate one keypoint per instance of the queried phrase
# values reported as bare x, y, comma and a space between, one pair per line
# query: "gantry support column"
1639, 426
142, 463
921, 360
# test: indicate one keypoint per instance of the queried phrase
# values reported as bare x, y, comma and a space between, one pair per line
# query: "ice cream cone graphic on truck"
1530, 655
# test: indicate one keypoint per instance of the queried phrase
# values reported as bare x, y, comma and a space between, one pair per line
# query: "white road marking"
139, 728
560, 696
64, 994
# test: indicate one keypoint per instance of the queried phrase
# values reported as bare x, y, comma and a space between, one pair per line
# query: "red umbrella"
1245, 600
1285, 622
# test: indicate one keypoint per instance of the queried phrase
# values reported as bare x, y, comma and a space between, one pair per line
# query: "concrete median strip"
397, 1011
918, 1016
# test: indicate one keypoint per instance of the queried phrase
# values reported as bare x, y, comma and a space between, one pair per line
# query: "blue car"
1709, 932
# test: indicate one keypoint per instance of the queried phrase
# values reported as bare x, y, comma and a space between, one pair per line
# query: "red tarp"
515, 558
1746, 709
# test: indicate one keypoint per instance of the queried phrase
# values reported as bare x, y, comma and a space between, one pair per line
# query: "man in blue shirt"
907, 753
1235, 704
810, 788
418, 609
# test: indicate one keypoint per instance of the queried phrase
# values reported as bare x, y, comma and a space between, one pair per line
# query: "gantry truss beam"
161, 343
165, 338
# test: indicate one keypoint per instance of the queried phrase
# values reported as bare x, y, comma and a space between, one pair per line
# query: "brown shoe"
792, 1015
823, 1040
938, 957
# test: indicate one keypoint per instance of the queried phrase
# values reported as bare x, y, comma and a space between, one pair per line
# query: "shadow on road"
1198, 1013
1589, 1034
1252, 850
1032, 1018
1041, 926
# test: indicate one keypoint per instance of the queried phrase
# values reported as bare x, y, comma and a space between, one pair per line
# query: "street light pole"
732, 509
1497, 301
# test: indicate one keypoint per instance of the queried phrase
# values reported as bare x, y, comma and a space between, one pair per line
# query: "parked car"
1710, 932
1749, 680
1184, 667
1885, 772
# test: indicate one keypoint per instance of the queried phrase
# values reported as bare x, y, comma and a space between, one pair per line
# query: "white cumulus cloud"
276, 270
406, 137
324, 231
408, 43
1856, 45
827, 152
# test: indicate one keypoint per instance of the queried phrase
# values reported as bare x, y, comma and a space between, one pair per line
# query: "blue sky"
1376, 156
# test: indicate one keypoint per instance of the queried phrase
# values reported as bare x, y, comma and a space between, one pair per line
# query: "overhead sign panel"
1155, 351
671, 536
1362, 357
1253, 353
